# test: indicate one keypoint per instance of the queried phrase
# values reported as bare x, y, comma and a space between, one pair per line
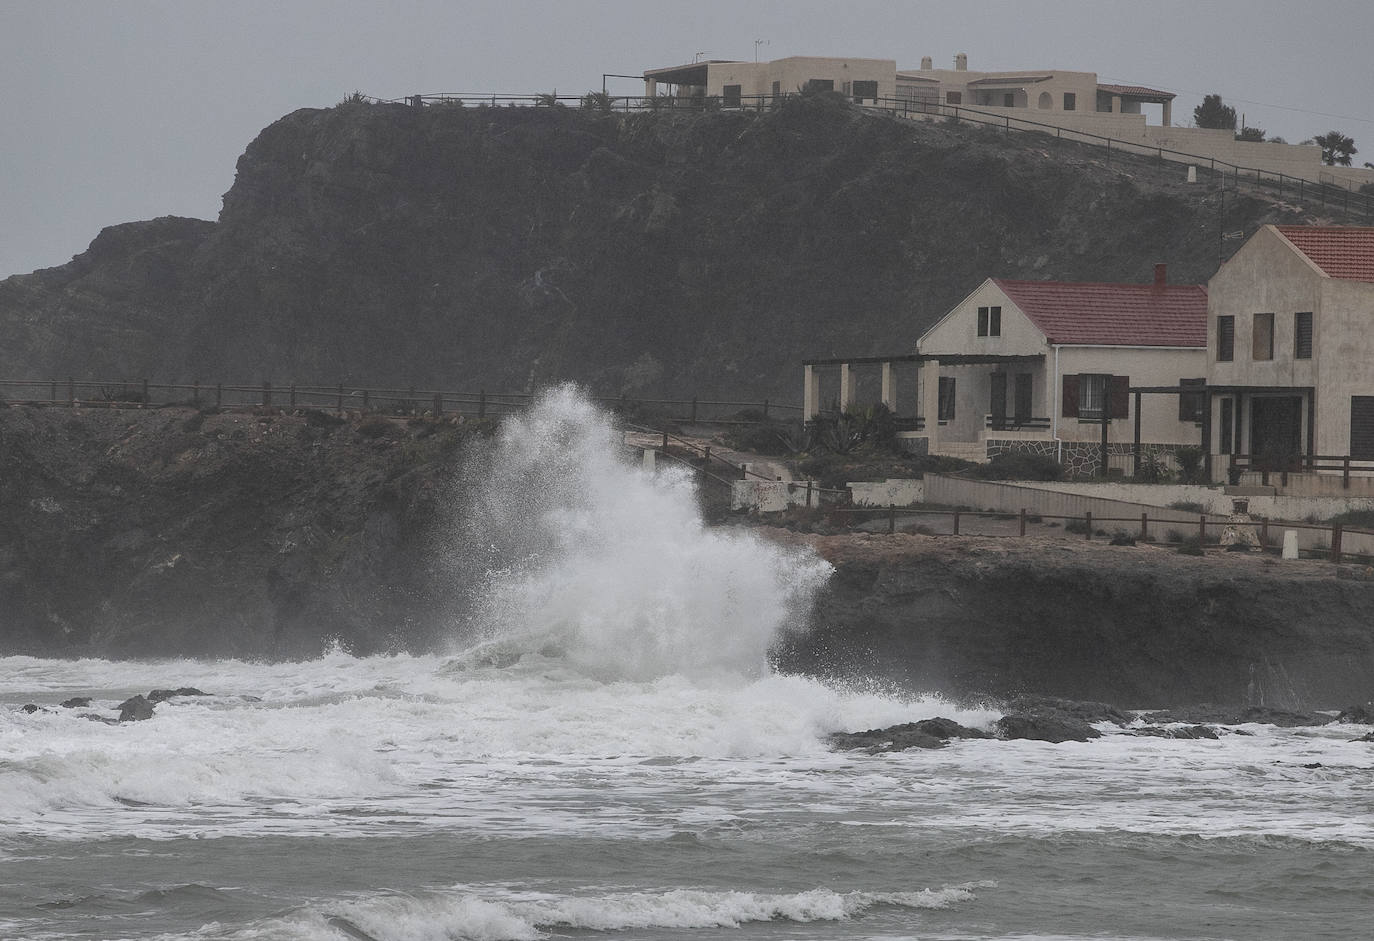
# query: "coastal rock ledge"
991, 619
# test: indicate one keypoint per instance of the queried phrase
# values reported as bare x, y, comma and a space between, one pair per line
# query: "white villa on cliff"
1059, 100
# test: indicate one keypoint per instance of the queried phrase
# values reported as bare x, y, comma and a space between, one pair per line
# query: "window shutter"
1119, 397
1070, 397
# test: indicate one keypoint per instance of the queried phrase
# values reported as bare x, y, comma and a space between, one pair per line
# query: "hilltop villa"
1056, 99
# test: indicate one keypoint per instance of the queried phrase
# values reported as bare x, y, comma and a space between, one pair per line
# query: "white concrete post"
1290, 544
846, 387
889, 394
649, 459
1168, 106
810, 394
1116, 104
650, 87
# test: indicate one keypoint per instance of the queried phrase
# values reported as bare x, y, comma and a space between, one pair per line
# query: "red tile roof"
1094, 314
1345, 252
1137, 91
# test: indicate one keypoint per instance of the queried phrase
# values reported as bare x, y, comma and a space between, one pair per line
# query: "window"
1191, 404
820, 84
1009, 99
1302, 335
777, 89
1262, 337
1070, 101
946, 404
864, 90
1088, 394
954, 97
1092, 395
990, 321
731, 94
1362, 427
1226, 338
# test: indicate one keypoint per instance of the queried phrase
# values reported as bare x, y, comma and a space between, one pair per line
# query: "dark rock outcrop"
135, 709
1357, 714
76, 702
1185, 732
162, 695
1042, 728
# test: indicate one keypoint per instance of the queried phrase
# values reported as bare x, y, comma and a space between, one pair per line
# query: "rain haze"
115, 112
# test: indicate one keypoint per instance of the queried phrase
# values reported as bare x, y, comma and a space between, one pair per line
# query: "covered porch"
945, 403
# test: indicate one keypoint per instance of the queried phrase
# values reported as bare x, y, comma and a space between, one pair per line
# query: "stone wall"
1084, 458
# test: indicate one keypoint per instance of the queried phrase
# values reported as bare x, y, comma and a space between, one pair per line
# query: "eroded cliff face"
659, 253
173, 532
1137, 626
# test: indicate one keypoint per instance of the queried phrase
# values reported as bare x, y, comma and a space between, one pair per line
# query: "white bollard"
1290, 543
650, 456
1192, 174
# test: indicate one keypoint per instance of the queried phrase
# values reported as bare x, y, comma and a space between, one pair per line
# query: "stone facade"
1083, 458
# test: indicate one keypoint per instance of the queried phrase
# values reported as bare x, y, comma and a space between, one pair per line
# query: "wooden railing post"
808, 493
145, 393
367, 399
1023, 521
1202, 529
438, 405
266, 394
71, 392
1264, 534
219, 395
338, 399
53, 397
706, 461
482, 404
891, 518
1336, 543
694, 409
1088, 528
1144, 526
1345, 472
293, 395
956, 522
765, 410
195, 393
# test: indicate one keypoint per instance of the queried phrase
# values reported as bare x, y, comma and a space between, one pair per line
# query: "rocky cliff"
656, 253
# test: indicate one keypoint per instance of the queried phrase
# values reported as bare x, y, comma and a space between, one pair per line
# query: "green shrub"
1019, 465
376, 427
1188, 506
1076, 526
1359, 519
1190, 465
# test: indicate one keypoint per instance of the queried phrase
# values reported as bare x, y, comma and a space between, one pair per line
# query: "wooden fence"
141, 393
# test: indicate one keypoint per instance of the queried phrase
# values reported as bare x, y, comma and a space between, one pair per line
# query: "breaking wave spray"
582, 554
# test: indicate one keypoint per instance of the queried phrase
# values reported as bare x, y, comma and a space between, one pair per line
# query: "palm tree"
1336, 148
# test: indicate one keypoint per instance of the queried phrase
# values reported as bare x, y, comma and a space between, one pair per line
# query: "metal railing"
1349, 196
1283, 465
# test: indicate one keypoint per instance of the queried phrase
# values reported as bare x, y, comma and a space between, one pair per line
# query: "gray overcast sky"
118, 110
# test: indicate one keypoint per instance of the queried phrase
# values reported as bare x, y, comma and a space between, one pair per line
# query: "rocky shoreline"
267, 534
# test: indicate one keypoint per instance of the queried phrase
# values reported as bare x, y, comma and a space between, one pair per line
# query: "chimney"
1161, 275
961, 62
927, 63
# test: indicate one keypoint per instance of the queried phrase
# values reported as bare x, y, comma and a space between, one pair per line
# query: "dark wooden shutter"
1119, 397
1362, 427
1070, 397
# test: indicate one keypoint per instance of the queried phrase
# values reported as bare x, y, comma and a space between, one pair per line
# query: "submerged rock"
927, 733
162, 695
28, 709
1189, 731
76, 702
1044, 728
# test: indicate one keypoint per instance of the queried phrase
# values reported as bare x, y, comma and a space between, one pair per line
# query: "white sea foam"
586, 554
487, 916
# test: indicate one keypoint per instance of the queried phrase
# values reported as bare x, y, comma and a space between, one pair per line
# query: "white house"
1042, 366
1290, 350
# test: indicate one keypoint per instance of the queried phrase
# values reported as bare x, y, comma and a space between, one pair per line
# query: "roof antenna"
757, 43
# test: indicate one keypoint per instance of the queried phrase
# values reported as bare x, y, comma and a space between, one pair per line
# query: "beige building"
1290, 348
739, 84
1042, 366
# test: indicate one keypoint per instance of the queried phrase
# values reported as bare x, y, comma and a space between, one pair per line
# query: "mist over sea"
605, 752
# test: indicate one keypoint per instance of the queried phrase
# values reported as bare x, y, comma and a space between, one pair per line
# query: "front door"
1276, 429
998, 404
1022, 409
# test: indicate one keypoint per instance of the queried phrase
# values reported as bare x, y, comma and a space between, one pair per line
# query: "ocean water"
604, 752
